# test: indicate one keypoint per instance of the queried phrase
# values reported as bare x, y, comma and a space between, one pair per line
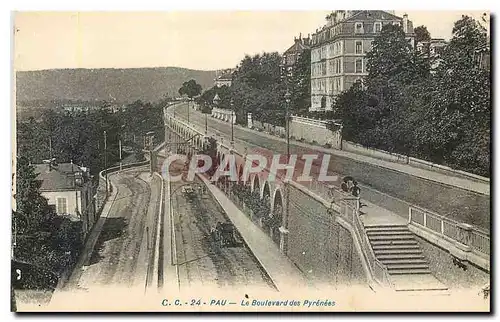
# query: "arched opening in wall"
218, 159
323, 102
276, 216
266, 209
256, 185
240, 175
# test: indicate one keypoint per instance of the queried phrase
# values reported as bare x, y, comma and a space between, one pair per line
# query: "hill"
124, 85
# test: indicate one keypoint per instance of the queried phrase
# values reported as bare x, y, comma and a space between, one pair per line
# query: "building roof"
300, 44
373, 15
223, 77
60, 177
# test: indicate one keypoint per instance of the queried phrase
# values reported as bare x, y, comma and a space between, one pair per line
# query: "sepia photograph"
251, 161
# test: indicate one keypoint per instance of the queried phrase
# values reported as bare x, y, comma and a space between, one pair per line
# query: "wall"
399, 158
70, 199
441, 264
379, 154
324, 251
272, 129
309, 130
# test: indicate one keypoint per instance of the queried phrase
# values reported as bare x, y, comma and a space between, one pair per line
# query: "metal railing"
468, 235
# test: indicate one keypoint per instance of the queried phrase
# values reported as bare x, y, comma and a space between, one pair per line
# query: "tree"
32, 210
190, 88
300, 83
421, 34
43, 239
206, 100
257, 88
456, 120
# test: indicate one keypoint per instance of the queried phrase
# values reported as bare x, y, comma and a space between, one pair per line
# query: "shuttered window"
62, 207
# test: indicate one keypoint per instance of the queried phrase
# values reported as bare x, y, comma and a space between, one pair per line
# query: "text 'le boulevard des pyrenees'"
344, 167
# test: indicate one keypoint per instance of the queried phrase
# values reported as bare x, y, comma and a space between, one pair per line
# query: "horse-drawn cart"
224, 234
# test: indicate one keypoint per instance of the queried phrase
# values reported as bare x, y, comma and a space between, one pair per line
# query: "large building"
68, 189
338, 51
292, 54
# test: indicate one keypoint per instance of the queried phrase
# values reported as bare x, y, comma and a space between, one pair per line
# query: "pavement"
195, 259
469, 197
116, 255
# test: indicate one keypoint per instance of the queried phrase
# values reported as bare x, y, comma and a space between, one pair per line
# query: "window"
358, 28
377, 27
62, 207
359, 47
359, 66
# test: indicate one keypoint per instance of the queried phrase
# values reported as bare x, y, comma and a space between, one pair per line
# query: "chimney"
405, 23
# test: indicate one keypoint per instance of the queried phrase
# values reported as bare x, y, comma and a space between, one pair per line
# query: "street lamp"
287, 124
232, 121
106, 160
216, 102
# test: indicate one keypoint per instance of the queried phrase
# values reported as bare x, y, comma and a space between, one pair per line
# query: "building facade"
339, 48
224, 78
68, 189
432, 50
482, 56
292, 54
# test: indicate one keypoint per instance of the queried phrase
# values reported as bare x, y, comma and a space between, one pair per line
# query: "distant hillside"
124, 85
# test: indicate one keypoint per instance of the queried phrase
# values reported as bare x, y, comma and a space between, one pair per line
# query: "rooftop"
299, 45
58, 177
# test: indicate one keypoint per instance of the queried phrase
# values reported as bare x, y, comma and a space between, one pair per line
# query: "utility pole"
106, 160
287, 184
206, 124
50, 147
120, 148
232, 122
189, 99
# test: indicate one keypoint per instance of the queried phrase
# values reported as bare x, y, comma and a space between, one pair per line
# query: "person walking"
355, 190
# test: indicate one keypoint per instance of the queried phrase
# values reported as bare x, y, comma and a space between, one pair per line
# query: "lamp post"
216, 102
106, 160
232, 122
284, 242
287, 122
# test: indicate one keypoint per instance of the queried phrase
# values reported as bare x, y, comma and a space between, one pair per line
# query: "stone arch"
240, 174
218, 160
277, 210
277, 199
266, 191
256, 184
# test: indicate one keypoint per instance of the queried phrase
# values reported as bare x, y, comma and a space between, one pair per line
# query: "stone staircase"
395, 246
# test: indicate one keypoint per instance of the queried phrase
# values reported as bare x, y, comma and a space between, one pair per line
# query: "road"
386, 188
201, 262
120, 255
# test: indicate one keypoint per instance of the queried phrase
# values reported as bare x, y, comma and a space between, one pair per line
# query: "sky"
196, 40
